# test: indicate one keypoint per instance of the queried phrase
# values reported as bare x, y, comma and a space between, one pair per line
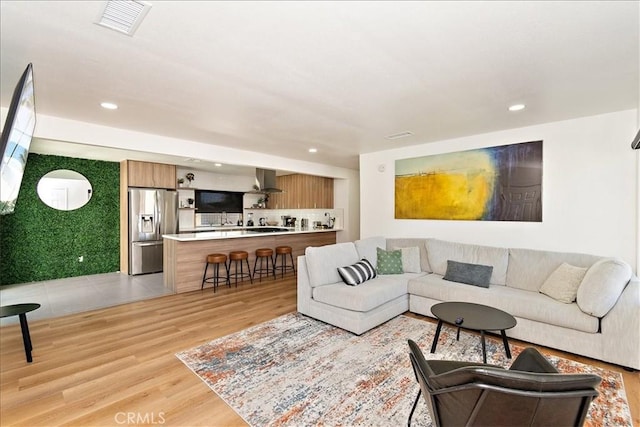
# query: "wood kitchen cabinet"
302, 192
150, 175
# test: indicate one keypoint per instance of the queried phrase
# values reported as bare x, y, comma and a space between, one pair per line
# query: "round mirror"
64, 190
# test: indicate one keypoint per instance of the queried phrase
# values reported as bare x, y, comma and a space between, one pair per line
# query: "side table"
21, 311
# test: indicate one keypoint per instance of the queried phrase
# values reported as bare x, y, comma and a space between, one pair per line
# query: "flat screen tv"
209, 201
16, 139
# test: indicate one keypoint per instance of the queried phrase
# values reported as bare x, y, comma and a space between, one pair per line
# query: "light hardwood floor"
103, 366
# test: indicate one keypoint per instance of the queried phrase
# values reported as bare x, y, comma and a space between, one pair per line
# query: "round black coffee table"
476, 317
21, 311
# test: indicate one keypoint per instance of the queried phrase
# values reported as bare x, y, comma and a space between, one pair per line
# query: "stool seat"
216, 260
282, 252
237, 258
238, 255
263, 254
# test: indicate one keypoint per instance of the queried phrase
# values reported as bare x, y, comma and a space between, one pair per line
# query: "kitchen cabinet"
302, 192
150, 175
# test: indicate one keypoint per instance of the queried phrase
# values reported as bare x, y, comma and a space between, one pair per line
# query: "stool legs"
262, 269
283, 268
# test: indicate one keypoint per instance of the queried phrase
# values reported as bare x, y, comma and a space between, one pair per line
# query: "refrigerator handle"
158, 209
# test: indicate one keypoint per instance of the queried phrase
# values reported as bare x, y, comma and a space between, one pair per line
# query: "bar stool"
216, 260
264, 254
283, 251
237, 257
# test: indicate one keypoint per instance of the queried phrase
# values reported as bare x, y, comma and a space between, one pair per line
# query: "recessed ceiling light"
399, 135
517, 107
313, 150
217, 165
109, 105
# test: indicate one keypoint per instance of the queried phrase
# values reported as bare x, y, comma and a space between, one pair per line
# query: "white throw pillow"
410, 259
602, 285
563, 283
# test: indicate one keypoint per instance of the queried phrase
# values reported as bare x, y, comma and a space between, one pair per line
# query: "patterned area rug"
297, 371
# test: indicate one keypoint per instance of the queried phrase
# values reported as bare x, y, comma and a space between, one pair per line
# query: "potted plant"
180, 182
190, 201
190, 177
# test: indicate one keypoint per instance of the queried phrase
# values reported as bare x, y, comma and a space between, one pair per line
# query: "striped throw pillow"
357, 273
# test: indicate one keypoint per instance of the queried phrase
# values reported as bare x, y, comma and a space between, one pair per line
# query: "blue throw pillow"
357, 273
471, 274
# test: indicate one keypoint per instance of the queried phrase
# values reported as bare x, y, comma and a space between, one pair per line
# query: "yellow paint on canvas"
457, 193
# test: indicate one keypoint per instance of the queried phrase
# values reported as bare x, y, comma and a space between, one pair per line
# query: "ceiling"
283, 77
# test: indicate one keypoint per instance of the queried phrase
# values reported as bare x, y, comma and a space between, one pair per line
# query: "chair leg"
227, 267
204, 276
248, 270
413, 408
255, 266
293, 266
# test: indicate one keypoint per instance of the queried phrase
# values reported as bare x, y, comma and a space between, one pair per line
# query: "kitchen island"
184, 255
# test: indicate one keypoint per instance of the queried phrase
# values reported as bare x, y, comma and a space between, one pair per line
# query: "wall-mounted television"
210, 201
16, 139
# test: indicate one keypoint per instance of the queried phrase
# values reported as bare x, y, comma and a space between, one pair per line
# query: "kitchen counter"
184, 255
209, 233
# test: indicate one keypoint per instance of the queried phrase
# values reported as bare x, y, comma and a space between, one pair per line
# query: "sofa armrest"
305, 291
620, 328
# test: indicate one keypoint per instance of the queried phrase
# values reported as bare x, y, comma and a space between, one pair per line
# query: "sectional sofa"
583, 304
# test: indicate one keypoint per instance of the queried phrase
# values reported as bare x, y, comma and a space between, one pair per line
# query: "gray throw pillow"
471, 274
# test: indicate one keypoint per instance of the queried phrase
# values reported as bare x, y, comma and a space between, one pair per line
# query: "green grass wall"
41, 243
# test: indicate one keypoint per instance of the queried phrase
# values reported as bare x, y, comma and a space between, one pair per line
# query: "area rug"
297, 371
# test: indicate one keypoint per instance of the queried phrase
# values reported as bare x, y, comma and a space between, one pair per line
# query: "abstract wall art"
502, 183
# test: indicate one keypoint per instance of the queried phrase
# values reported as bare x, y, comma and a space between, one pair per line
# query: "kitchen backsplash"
272, 215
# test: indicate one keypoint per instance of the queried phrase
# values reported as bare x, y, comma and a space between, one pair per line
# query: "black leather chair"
530, 393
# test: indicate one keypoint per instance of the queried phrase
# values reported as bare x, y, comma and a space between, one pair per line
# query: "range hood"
265, 182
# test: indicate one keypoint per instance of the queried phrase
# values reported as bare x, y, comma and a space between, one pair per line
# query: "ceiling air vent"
399, 135
123, 16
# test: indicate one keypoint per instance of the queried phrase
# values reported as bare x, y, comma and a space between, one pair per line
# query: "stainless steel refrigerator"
152, 213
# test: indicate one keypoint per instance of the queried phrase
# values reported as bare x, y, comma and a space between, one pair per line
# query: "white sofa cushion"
366, 296
323, 262
602, 286
562, 285
441, 251
529, 268
367, 248
523, 304
410, 259
406, 242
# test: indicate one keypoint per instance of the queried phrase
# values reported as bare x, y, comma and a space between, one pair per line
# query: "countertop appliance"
152, 213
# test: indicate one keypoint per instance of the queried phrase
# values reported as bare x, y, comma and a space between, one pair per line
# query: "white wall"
590, 190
